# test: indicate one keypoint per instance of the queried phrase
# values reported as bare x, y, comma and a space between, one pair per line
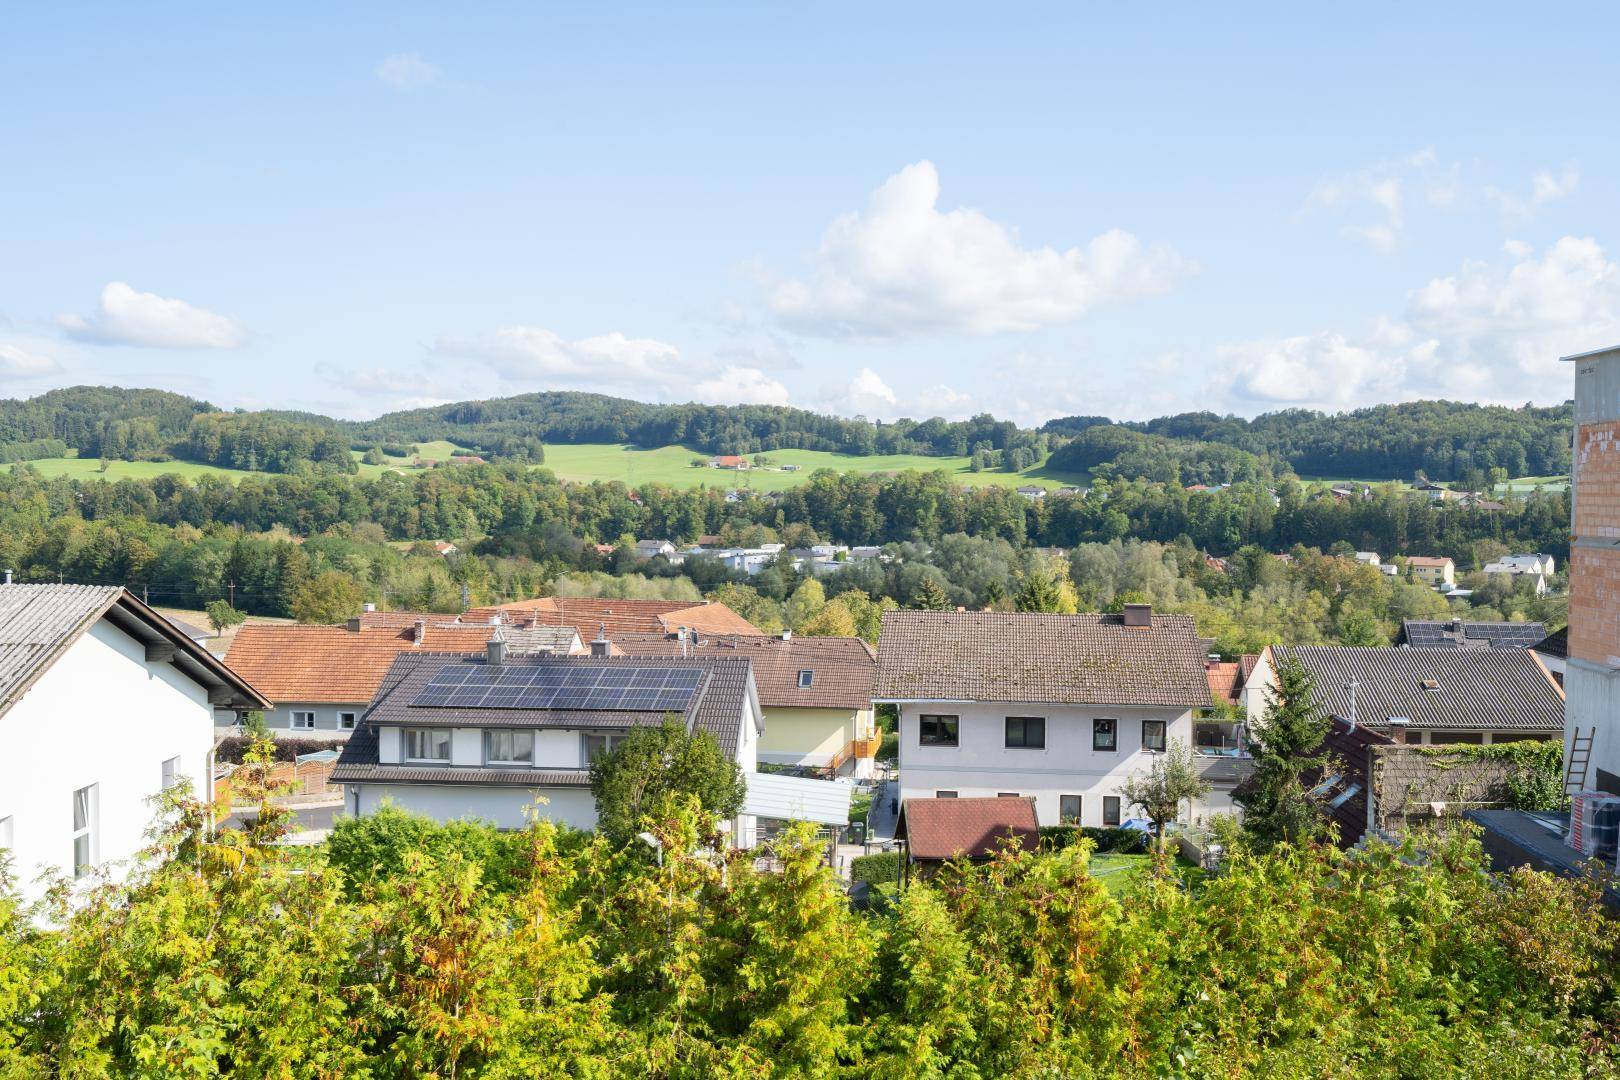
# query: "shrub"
372, 848
1124, 841
875, 869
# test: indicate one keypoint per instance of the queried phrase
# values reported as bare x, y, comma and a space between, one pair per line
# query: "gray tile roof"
1485, 635
717, 707
1474, 689
1061, 659
1555, 644
38, 623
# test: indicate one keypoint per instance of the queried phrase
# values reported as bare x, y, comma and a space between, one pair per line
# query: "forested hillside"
1446, 441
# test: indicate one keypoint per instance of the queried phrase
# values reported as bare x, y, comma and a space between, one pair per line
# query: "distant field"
90, 469
672, 465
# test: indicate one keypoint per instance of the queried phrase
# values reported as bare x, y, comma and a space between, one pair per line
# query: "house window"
303, 721
427, 744
944, 794
597, 745
1105, 735
1153, 735
509, 747
806, 677
1111, 810
346, 720
171, 773
1026, 732
1069, 809
1006, 794
85, 811
937, 730
1449, 738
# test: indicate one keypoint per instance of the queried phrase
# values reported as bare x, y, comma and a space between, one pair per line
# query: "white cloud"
740, 386
1490, 332
127, 317
944, 401
1545, 187
388, 388
17, 361
407, 71
868, 395
529, 353
903, 267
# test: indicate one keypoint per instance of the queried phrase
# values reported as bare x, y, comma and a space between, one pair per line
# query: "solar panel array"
1500, 635
556, 686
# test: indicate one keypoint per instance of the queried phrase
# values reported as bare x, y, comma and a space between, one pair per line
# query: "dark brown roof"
939, 829
1555, 644
842, 669
1346, 798
717, 707
1062, 659
1247, 663
1472, 689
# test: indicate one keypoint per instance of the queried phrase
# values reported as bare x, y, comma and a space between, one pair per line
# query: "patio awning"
793, 798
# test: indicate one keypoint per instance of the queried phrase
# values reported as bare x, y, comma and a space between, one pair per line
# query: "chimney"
1138, 614
8, 577
353, 625
600, 646
495, 651
368, 608
419, 631
787, 635
1397, 729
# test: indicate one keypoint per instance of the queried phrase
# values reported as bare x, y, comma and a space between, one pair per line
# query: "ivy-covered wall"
1412, 785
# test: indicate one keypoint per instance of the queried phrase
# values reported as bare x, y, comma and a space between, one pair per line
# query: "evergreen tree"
931, 596
1276, 802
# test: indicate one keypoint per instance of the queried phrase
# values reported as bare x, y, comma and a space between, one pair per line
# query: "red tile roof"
588, 614
938, 829
1225, 680
290, 662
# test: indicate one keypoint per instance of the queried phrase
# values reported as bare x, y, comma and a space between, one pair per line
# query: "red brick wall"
1597, 477
1594, 601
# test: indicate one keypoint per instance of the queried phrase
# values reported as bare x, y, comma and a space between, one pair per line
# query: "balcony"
1220, 751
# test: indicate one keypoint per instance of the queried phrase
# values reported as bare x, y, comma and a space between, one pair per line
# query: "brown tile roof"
1342, 789
1061, 659
939, 829
843, 669
1225, 680
1473, 689
1247, 662
1432, 561
293, 662
588, 614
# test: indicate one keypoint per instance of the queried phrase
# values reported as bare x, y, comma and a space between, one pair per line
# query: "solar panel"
597, 687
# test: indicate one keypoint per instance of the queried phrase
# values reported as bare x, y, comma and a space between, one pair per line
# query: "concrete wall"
100, 715
982, 765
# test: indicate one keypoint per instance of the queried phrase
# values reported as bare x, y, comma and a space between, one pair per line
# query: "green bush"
1123, 841
372, 848
875, 869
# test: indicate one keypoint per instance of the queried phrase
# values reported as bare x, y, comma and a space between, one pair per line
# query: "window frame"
294, 725
1164, 736
490, 734
611, 741
434, 732
169, 772
1024, 725
1118, 814
944, 793
1009, 795
807, 678
1096, 735
956, 729
1066, 818
8, 832
348, 720
87, 830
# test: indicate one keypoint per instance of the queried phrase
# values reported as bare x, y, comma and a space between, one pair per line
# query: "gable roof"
1060, 659
1474, 689
1555, 644
1456, 633
843, 669
39, 623
939, 829
589, 614
1430, 561
717, 706
1225, 680
292, 662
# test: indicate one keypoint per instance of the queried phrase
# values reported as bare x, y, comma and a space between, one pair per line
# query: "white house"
103, 704
1537, 568
651, 549
1061, 708
487, 736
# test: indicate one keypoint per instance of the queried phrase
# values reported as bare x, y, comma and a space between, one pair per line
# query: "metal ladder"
1580, 755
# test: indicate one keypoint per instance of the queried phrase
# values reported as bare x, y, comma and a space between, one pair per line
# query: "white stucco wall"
982, 764
327, 721
100, 715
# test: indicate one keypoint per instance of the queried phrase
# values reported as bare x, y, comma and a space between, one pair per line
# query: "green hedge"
1125, 841
875, 869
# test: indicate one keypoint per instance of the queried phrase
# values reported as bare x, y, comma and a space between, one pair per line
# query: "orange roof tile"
589, 614
289, 662
1224, 680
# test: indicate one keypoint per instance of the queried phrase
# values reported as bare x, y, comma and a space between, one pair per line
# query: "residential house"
1062, 708
1536, 568
1434, 492
749, 561
1553, 650
1429, 633
1370, 558
589, 614
103, 704
445, 549
495, 737
791, 468
866, 551
942, 829
319, 679
650, 549
728, 461
1436, 695
1032, 492
1069, 491
816, 693
1437, 573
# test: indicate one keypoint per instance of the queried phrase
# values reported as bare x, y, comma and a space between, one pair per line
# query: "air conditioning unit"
1594, 824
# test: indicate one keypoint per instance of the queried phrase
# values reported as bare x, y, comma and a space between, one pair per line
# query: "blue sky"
885, 210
